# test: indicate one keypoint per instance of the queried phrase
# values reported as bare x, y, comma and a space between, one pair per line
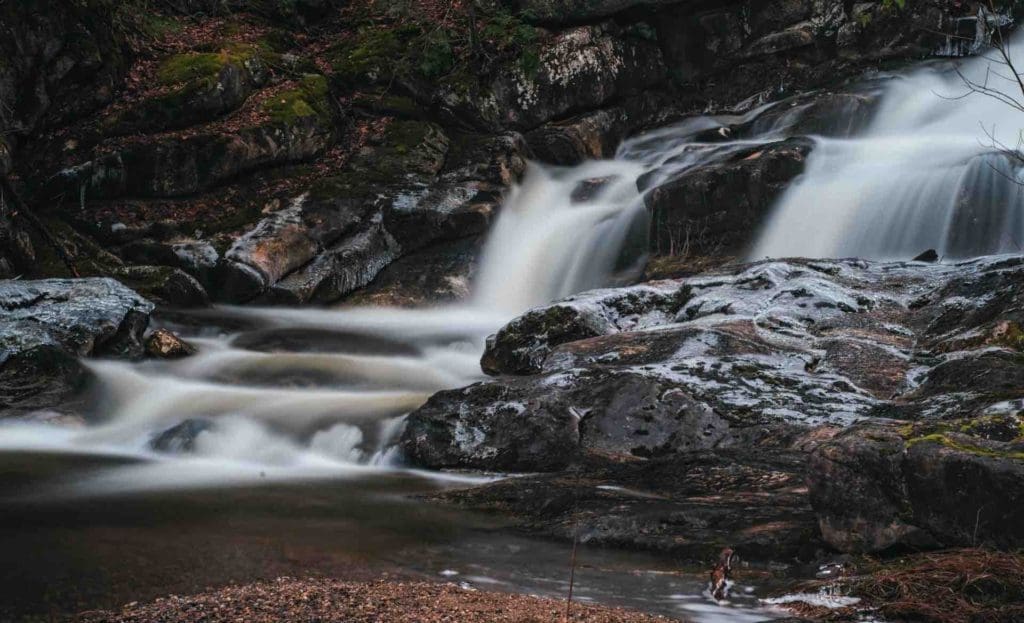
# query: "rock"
928, 256
688, 505
597, 134
164, 285
60, 62
202, 87
579, 69
719, 207
878, 488
544, 424
46, 325
339, 270
181, 438
521, 346
164, 344
439, 274
802, 343
576, 11
196, 257
299, 125
858, 491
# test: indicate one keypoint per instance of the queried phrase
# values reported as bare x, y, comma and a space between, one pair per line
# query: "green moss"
946, 440
195, 67
309, 99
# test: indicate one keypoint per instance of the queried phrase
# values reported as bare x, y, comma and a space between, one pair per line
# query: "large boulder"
46, 325
959, 483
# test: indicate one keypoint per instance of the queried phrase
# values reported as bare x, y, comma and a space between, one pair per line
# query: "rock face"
46, 325
881, 488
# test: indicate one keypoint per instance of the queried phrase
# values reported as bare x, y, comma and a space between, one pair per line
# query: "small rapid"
295, 394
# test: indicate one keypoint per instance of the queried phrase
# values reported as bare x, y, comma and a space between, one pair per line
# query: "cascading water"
278, 394
927, 173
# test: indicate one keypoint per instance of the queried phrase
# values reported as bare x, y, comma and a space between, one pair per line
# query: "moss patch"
310, 98
192, 67
960, 444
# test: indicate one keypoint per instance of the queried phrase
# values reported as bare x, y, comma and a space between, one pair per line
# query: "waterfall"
280, 394
928, 173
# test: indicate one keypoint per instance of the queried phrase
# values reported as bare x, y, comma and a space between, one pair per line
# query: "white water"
925, 175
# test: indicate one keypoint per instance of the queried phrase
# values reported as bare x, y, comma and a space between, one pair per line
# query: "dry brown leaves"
289, 600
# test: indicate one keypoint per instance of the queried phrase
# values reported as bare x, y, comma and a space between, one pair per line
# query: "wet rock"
521, 346
928, 256
46, 325
544, 424
164, 344
709, 361
339, 270
164, 285
181, 438
337, 236
597, 134
720, 206
876, 488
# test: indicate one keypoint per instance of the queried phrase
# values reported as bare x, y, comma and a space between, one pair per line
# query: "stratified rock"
164, 344
46, 325
180, 438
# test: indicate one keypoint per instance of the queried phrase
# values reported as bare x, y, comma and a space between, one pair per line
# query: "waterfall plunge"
924, 175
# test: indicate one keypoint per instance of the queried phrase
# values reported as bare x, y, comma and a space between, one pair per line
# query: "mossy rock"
310, 98
190, 67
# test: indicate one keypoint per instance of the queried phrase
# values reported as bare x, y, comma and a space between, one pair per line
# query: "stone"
164, 344
579, 69
717, 208
47, 324
181, 438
